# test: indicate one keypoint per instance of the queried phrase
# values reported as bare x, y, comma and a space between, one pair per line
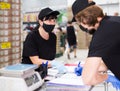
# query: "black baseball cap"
46, 12
79, 5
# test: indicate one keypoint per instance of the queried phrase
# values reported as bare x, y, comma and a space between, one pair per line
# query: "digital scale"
20, 77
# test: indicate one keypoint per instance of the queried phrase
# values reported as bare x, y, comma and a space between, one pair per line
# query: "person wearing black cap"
79, 5
104, 49
40, 45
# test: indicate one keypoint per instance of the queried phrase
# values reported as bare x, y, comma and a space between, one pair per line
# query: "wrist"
49, 64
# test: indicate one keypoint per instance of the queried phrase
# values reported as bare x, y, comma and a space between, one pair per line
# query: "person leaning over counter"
104, 49
40, 45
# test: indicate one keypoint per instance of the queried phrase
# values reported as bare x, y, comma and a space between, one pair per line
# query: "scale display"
31, 80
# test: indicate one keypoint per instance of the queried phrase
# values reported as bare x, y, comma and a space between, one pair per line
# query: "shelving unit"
10, 32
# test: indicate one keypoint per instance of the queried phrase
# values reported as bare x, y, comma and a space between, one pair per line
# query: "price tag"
4, 5
5, 45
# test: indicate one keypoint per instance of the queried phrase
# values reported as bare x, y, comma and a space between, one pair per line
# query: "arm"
93, 71
58, 65
39, 61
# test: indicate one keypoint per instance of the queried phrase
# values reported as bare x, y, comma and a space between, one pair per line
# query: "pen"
46, 64
79, 64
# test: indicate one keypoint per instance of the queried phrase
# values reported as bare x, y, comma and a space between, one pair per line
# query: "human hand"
78, 70
114, 81
55, 63
59, 66
43, 69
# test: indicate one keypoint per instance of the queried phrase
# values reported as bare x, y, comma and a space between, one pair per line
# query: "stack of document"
67, 82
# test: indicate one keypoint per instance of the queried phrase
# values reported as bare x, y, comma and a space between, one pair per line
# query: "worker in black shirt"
40, 44
104, 49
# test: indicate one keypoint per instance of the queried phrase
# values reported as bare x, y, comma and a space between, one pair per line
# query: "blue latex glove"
114, 81
43, 69
78, 70
59, 66
54, 63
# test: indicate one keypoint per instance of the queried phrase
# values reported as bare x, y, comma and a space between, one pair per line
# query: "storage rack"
10, 32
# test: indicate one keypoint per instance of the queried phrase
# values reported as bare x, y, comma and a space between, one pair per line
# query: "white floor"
81, 56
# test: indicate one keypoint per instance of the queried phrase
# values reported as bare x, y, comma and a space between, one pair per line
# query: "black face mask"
48, 28
92, 31
83, 29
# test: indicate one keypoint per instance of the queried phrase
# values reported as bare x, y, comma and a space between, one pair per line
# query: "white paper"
68, 79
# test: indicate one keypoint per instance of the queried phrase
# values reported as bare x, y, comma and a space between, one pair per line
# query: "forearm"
100, 77
102, 73
39, 61
93, 71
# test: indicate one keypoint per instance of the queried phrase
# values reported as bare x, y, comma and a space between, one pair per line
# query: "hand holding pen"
43, 69
78, 70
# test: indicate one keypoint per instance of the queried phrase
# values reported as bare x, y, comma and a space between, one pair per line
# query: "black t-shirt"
35, 45
105, 43
71, 37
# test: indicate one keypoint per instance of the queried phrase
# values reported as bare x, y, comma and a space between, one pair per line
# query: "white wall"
106, 1
36, 5
109, 6
70, 2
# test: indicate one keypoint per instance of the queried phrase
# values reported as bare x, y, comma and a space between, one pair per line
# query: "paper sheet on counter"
69, 79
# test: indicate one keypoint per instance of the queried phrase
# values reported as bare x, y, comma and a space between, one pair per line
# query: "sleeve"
30, 46
100, 45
